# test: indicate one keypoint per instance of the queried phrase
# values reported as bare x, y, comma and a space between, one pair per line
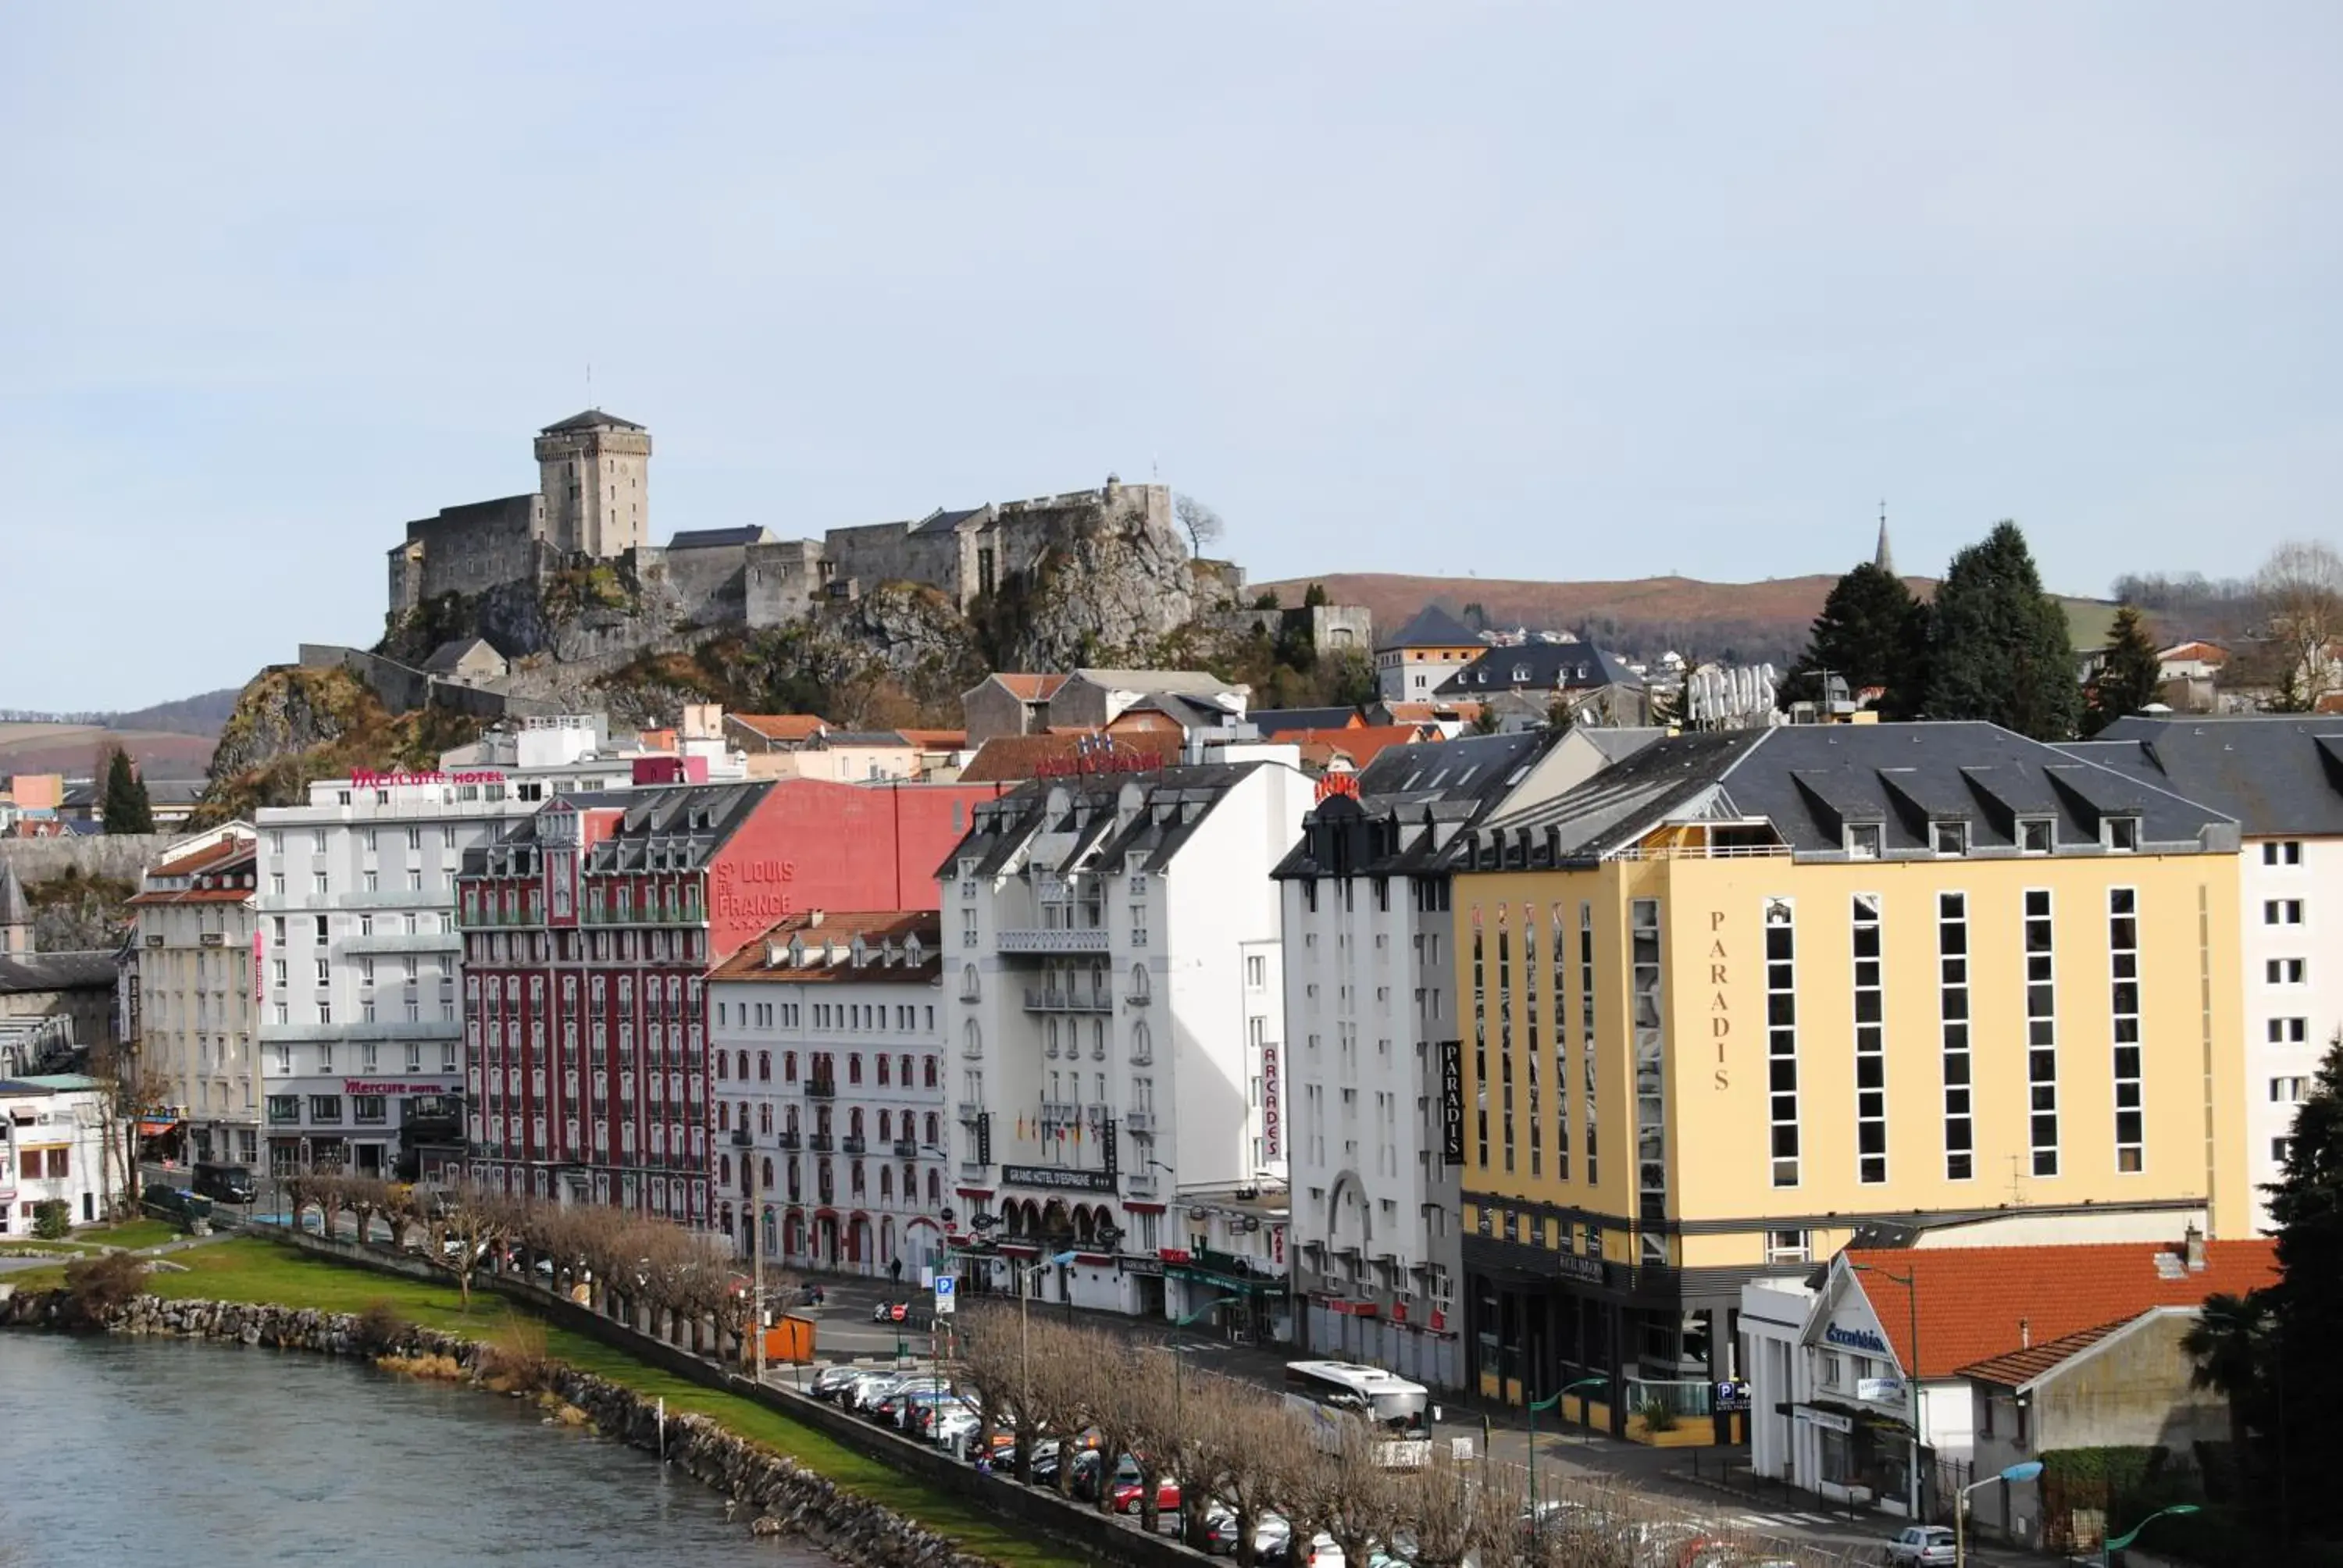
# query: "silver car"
1922, 1546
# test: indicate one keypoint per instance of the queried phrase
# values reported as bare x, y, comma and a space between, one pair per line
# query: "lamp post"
2025, 1472
1911, 1373
1181, 1322
1025, 1276
1537, 1515
756, 1249
1568, 1388
2117, 1544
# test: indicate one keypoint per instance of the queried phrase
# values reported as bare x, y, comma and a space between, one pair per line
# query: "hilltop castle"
592, 505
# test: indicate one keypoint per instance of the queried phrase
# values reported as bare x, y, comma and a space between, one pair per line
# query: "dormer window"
1865, 840
1522, 674
1950, 837
2036, 836
797, 952
2120, 834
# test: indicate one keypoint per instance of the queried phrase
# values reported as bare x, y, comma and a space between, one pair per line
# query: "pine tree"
126, 805
1863, 636
1999, 651
2131, 678
2303, 1444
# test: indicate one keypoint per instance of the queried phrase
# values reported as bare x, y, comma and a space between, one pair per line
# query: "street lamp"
1181, 1322
2025, 1472
1911, 1373
740, 1141
2117, 1544
1026, 1273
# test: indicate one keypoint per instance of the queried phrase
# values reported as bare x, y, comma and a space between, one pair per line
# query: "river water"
167, 1452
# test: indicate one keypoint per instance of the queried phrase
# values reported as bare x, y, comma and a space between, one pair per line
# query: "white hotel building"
829, 1097
361, 1030
1114, 1025
192, 962
2281, 776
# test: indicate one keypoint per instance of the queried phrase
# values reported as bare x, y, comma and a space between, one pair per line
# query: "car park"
832, 1381
1126, 1497
1922, 1546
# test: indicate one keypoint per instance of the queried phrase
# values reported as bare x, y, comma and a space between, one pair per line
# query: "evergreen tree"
2131, 678
1999, 650
2303, 1446
1863, 636
126, 807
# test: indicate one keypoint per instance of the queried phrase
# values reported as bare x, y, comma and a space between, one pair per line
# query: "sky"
1538, 291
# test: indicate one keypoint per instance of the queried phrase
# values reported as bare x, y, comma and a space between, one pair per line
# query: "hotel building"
1740, 995
195, 962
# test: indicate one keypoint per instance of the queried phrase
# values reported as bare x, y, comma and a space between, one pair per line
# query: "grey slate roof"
89, 971
591, 418
1172, 802
945, 521
1171, 682
716, 538
2279, 775
1270, 720
1412, 800
1433, 628
1807, 782
450, 654
1539, 665
683, 824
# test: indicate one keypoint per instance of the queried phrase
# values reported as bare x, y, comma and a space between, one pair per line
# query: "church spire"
1884, 558
15, 915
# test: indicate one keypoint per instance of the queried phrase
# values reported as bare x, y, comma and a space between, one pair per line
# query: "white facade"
2292, 937
196, 1007
1114, 984
360, 1025
54, 1145
828, 1050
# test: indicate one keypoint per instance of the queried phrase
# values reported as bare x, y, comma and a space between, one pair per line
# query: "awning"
1244, 1284
157, 1129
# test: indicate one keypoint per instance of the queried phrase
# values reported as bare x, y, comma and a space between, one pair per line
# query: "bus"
1329, 1393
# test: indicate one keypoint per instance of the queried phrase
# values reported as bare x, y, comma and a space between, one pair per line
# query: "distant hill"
1748, 623
202, 713
73, 749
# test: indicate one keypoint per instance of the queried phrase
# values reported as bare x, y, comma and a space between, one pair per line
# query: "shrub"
52, 1218
96, 1289
515, 1360
381, 1329
1659, 1416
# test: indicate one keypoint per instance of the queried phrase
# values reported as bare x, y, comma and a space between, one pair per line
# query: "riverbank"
855, 1507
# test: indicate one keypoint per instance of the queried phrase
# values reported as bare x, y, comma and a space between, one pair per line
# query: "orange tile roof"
936, 740
1360, 744
1014, 759
212, 854
1032, 687
2020, 1367
235, 862
1972, 1299
873, 925
783, 726
1426, 712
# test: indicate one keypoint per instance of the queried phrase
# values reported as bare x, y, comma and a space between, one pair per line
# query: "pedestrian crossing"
1786, 1519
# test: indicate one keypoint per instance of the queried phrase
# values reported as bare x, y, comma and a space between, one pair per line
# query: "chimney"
2025, 1333
814, 919
2192, 1248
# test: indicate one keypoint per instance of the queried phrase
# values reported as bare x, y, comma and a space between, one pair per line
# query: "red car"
1167, 1496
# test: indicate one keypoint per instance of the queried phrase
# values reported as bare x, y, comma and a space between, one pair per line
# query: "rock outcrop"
293, 724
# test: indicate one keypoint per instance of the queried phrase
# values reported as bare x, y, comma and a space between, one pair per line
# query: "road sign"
947, 1295
900, 1310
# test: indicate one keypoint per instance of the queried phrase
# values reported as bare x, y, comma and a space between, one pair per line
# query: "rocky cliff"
293, 725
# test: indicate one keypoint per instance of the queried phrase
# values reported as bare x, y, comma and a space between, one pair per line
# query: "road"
1689, 1477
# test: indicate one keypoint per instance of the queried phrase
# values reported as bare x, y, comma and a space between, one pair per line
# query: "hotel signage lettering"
1720, 1021
364, 1086
1452, 1102
1058, 1177
1866, 1339
1272, 1133
1585, 1271
755, 889
366, 779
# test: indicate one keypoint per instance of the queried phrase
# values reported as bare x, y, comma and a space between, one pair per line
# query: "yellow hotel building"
1742, 995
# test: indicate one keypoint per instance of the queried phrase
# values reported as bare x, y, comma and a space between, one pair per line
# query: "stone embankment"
788, 1499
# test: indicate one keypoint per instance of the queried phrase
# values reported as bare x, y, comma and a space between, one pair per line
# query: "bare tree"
128, 1091
1344, 1492
479, 1223
991, 1364
1202, 525
2301, 589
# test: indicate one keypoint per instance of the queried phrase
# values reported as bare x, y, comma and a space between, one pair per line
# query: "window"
284, 1108
2288, 1030
2121, 834
369, 1110
2282, 853
2279, 1149
1953, 1013
1863, 841
2287, 1090
1256, 971
1781, 1038
319, 934
1650, 1045
2282, 911
1951, 838
2123, 958
326, 1109
1587, 1034
1788, 1247
2284, 971
2041, 1033
1870, 1045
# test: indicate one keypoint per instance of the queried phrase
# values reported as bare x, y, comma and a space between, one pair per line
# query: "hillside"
73, 749
1760, 622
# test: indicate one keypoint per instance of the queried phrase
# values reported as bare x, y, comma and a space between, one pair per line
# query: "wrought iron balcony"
822, 1088
1078, 998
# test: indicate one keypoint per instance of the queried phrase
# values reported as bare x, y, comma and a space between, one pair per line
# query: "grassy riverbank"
244, 1268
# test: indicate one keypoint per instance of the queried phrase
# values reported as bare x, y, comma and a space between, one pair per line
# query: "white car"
1922, 1546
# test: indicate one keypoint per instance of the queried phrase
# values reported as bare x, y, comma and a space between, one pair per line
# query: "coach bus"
1400, 1413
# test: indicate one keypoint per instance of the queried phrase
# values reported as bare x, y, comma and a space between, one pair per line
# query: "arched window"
903, 1070
935, 1188
744, 1066
885, 1120
764, 1067
972, 1038
883, 1078
910, 1182
723, 1067
723, 1116
933, 1140
854, 1123
854, 1067
1142, 1043
724, 1169
969, 990
768, 1174
764, 1116
791, 1112
886, 1184
788, 1066
1138, 981
928, 1073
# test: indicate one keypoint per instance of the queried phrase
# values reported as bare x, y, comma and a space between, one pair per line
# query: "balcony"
1083, 999
403, 942
1091, 940
1139, 997
907, 1148
968, 1110
820, 1142
1060, 1110
854, 1145
1139, 1121
791, 1138
1140, 1183
822, 1088
973, 1170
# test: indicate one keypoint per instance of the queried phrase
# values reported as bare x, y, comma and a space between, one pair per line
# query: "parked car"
224, 1183
1921, 1546
833, 1381
1273, 1537
870, 1385
1126, 1496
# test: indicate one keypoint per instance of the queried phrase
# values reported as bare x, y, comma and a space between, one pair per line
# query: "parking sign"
947, 1296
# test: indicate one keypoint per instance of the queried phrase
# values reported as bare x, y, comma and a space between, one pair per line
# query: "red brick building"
590, 928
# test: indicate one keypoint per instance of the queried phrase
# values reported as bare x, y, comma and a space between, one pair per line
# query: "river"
166, 1451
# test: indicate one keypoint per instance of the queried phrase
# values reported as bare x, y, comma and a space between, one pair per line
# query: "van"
225, 1183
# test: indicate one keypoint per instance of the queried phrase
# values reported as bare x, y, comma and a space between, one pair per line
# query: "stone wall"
782, 580
706, 587
123, 855
466, 549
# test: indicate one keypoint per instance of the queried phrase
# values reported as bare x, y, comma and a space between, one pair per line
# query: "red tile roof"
786, 727
231, 865
1032, 687
1973, 1300
1426, 712
875, 927
1360, 744
936, 740
1014, 759
2021, 1367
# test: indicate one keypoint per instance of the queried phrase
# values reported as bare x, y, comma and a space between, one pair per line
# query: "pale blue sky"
1531, 290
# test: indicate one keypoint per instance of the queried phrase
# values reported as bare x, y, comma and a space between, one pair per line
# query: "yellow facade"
1718, 1055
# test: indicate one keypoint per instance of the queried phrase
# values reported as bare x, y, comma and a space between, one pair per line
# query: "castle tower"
594, 472
1884, 558
15, 916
